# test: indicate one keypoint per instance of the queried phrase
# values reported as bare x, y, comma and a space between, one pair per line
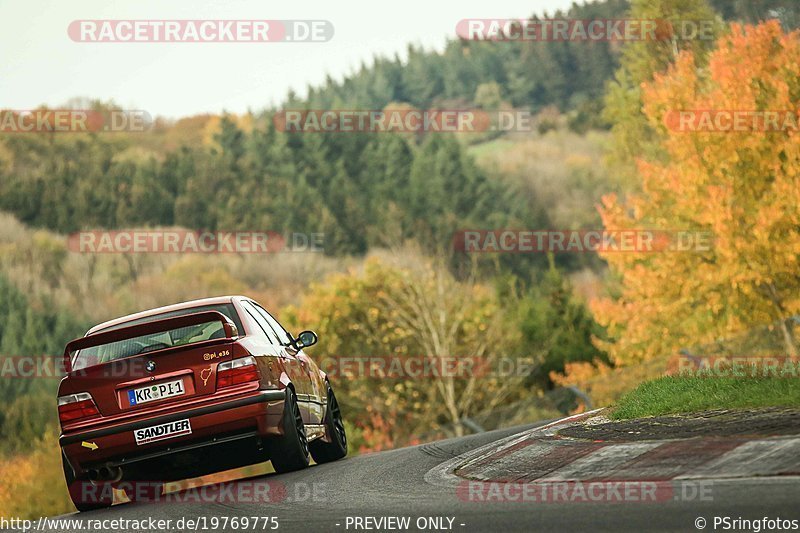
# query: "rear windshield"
97, 355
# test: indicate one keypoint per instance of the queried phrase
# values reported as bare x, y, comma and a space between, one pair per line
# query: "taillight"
76, 406
237, 371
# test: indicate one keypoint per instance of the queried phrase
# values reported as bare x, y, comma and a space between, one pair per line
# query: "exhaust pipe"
111, 473
105, 474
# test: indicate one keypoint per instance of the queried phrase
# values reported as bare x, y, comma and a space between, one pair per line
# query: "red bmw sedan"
188, 390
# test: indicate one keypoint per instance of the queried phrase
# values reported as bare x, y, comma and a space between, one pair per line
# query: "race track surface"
393, 484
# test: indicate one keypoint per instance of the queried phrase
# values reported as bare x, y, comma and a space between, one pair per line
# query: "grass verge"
677, 394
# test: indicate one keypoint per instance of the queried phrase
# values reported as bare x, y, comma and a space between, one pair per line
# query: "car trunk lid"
149, 365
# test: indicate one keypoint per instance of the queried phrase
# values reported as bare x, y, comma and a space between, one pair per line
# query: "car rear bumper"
254, 415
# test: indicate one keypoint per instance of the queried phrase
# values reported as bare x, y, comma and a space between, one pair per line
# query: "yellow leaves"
742, 186
609, 201
205, 279
212, 126
33, 485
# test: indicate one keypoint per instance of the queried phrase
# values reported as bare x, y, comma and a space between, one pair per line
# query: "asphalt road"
330, 497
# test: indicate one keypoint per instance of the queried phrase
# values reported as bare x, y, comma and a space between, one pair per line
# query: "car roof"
217, 300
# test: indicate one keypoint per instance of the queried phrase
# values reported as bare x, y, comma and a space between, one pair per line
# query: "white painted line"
765, 457
602, 462
551, 428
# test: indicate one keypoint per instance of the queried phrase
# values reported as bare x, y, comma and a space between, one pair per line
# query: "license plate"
162, 431
158, 391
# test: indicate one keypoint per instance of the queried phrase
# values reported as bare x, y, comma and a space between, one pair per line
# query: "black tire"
290, 451
84, 495
325, 452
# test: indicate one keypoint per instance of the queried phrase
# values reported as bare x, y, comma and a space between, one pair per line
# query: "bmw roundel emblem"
150, 366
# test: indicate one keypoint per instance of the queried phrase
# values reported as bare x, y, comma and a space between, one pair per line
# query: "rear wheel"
290, 451
85, 495
325, 452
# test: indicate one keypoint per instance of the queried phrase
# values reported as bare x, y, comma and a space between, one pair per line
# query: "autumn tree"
422, 312
640, 61
741, 186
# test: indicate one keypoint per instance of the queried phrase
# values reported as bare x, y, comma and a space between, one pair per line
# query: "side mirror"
306, 339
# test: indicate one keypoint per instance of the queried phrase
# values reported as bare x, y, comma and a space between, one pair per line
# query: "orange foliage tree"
741, 186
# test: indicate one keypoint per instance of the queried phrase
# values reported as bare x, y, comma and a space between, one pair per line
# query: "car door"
312, 383
294, 368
